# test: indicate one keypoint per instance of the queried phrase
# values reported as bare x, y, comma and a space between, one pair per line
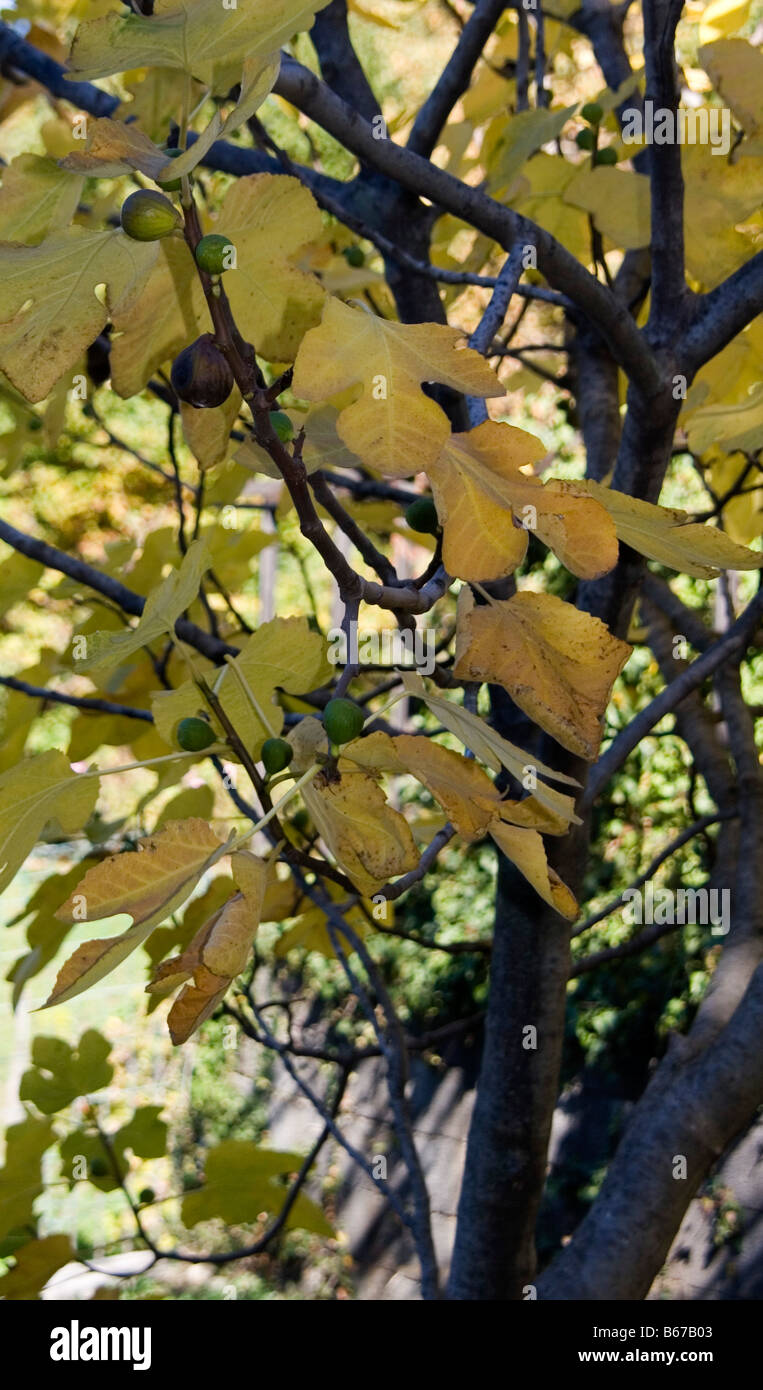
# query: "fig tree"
147, 216
343, 720
200, 375
215, 253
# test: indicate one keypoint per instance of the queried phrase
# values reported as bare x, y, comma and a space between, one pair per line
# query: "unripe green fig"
147, 216
200, 375
354, 255
301, 821
585, 139
194, 734
146, 1194
171, 185
421, 516
592, 112
98, 1168
342, 720
606, 156
215, 253
276, 755
282, 425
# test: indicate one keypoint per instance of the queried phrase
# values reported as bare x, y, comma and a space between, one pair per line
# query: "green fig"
421, 516
276, 755
343, 720
215, 254
194, 734
147, 216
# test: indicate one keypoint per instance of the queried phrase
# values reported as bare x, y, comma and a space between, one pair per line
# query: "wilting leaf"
149, 883
393, 427
370, 840
672, 538
218, 952
113, 148
557, 663
494, 750
525, 849
487, 505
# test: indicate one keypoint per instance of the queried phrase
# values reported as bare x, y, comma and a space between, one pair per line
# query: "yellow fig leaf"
268, 217
718, 197
671, 537
735, 69
159, 322
219, 951
283, 653
164, 606
618, 201
113, 148
393, 427
486, 506
50, 309
558, 664
494, 750
32, 793
731, 427
257, 81
310, 932
36, 197
149, 883
525, 849
465, 792
202, 39
371, 841
207, 432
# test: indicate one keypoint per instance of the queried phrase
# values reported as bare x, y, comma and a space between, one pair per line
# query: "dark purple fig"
200, 374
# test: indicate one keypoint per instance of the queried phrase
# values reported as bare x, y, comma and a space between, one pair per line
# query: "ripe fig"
215, 254
200, 374
343, 720
421, 516
194, 734
147, 216
276, 755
